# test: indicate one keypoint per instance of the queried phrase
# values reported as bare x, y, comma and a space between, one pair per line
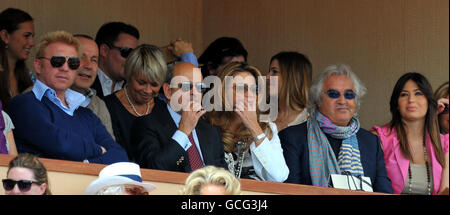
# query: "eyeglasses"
245, 88
124, 51
188, 86
24, 185
58, 61
334, 94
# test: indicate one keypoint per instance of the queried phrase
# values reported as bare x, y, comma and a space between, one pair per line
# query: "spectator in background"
331, 140
123, 178
220, 52
16, 41
49, 120
86, 76
145, 70
252, 148
7, 143
416, 154
442, 94
211, 180
115, 41
174, 137
26, 176
294, 73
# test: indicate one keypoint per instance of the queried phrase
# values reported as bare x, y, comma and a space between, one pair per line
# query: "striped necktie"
194, 156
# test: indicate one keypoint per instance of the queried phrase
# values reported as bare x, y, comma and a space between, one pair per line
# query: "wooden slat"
179, 178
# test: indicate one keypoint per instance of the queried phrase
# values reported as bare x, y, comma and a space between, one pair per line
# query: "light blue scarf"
322, 159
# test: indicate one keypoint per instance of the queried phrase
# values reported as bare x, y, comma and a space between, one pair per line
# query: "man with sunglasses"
115, 41
173, 137
331, 142
49, 120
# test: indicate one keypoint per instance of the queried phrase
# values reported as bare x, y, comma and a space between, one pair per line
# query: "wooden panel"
379, 39
68, 177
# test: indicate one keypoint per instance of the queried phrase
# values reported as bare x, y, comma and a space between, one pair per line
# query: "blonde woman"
252, 148
211, 180
145, 69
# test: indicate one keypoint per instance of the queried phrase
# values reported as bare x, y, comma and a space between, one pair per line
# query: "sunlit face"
59, 79
338, 110
186, 87
242, 91
20, 41
143, 90
274, 71
115, 63
89, 64
20, 173
412, 103
213, 189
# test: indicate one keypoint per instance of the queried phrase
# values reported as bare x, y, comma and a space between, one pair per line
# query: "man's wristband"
259, 137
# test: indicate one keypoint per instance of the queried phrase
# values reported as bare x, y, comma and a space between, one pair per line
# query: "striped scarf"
3, 148
322, 160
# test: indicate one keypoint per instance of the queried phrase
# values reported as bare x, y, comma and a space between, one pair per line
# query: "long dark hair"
431, 119
10, 19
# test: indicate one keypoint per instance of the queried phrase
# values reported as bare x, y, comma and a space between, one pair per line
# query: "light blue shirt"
181, 137
73, 98
190, 58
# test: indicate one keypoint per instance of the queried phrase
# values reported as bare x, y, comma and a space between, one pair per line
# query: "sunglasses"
334, 94
188, 86
124, 51
24, 185
58, 61
135, 190
245, 88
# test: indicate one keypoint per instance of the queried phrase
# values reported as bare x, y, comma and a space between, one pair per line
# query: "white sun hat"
118, 174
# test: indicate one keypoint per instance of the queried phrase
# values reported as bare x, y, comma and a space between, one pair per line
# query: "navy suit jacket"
295, 148
151, 137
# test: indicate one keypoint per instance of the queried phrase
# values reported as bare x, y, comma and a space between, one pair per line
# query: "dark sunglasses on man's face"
334, 94
24, 185
188, 86
124, 51
58, 61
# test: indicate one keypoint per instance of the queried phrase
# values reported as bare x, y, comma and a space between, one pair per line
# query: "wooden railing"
178, 178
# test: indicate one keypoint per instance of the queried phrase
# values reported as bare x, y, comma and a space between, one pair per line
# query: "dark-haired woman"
415, 153
16, 41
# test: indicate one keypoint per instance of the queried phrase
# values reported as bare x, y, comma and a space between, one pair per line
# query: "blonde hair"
211, 175
222, 119
58, 36
442, 92
32, 162
147, 61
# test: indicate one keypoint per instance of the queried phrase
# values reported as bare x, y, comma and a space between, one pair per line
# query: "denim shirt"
73, 98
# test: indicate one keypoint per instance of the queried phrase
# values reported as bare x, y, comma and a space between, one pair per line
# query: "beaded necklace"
428, 171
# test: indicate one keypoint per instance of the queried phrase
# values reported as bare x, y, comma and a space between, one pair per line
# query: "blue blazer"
295, 148
43, 129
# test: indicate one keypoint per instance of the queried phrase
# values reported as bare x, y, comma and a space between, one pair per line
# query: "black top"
296, 153
121, 121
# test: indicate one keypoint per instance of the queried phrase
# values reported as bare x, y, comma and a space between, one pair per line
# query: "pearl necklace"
132, 105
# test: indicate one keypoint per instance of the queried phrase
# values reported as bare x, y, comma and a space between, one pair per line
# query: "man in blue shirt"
49, 120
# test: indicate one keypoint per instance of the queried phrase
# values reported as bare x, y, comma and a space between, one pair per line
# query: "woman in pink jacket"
415, 153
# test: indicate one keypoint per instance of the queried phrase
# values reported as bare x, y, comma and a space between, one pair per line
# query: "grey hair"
338, 69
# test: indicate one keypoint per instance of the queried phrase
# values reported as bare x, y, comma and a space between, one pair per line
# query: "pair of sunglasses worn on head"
24, 185
58, 61
334, 94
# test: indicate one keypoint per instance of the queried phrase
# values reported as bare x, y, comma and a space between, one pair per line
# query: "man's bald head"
184, 69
